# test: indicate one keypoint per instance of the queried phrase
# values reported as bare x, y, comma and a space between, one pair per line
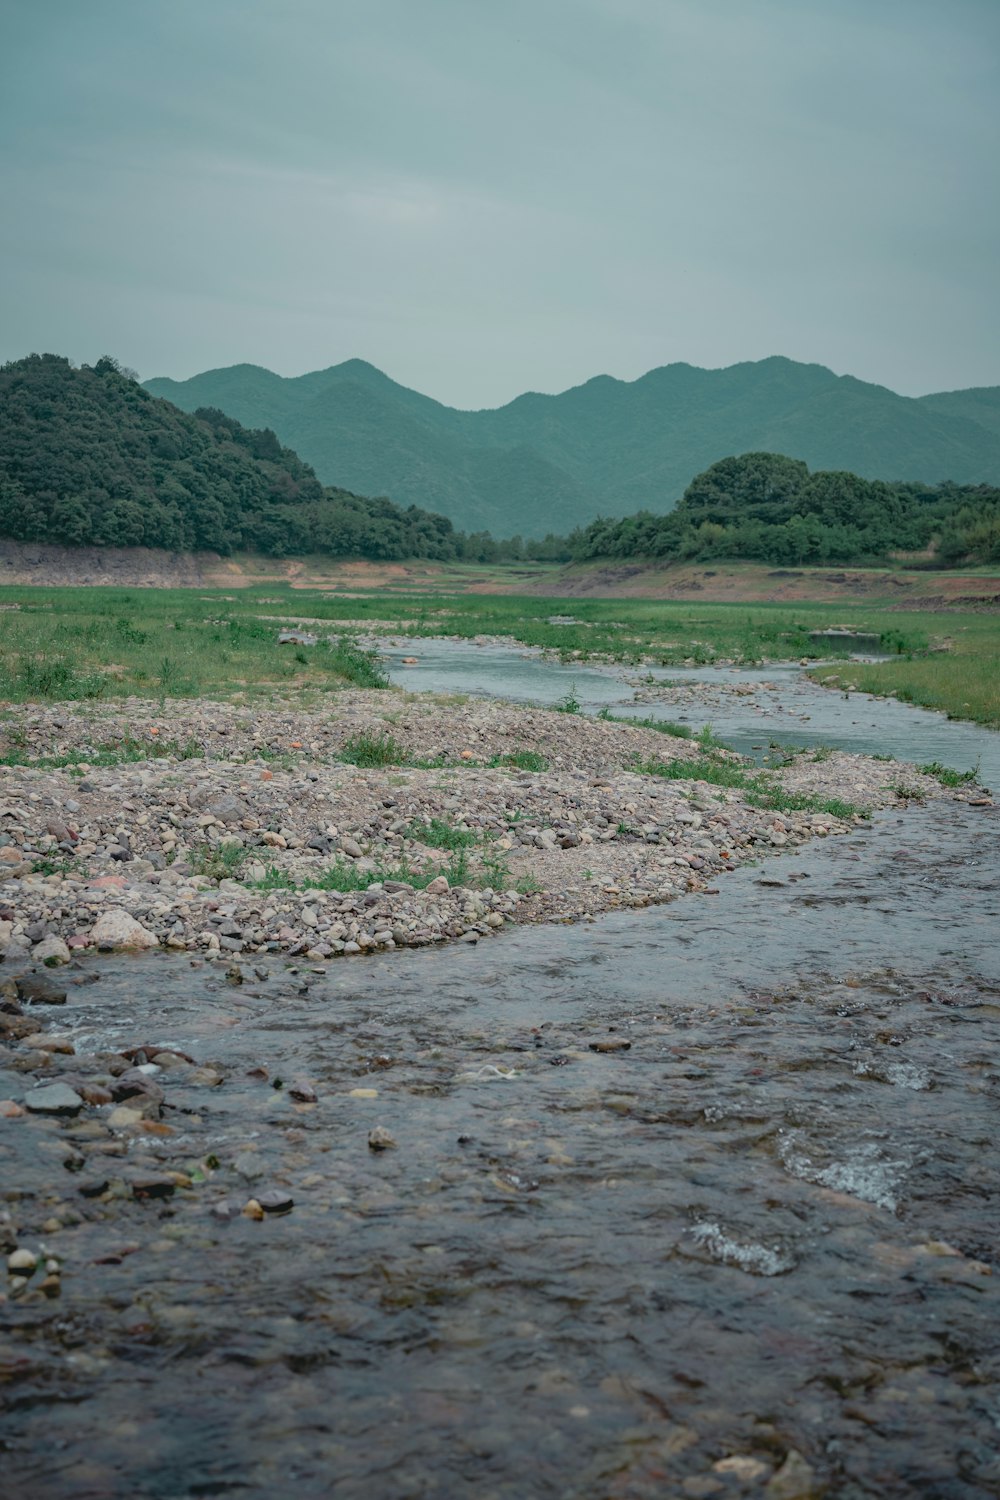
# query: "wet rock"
116, 929
302, 1090
22, 1263
53, 1099
610, 1044
36, 989
381, 1139
136, 1084
93, 1187
51, 950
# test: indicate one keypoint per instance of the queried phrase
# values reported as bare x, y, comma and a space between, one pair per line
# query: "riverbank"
382, 820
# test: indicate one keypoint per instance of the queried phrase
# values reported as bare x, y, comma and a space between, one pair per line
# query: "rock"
135, 1084
22, 1263
252, 1209
438, 886
610, 1044
53, 1099
151, 1185
35, 989
10, 1110
51, 950
302, 1090
275, 1201
116, 929
795, 1480
742, 1466
123, 1117
351, 848
45, 1041
381, 1139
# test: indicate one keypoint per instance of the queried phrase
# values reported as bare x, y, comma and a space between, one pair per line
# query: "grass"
437, 834
520, 760
222, 861
373, 748
75, 644
344, 876
757, 786
946, 776
126, 751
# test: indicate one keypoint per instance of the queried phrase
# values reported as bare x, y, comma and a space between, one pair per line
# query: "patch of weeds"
496, 872
438, 834
527, 886
662, 726
759, 790
50, 866
907, 793
361, 668
884, 757
821, 753
946, 775
519, 760
372, 748
222, 861
570, 704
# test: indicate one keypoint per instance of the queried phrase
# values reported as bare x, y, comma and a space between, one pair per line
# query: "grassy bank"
79, 643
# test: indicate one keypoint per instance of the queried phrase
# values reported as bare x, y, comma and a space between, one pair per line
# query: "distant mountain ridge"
607, 447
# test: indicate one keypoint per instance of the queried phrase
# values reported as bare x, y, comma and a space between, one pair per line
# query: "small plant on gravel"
372, 748
438, 834
520, 760
907, 792
947, 776
49, 866
570, 704
821, 753
759, 788
527, 886
496, 872
222, 861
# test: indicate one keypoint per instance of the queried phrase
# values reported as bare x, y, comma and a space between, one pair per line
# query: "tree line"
769, 508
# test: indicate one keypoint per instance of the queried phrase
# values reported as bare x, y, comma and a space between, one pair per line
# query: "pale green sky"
488, 196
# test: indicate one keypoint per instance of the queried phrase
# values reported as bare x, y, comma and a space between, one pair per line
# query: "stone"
381, 1139
22, 1263
116, 929
438, 886
151, 1185
51, 950
36, 989
302, 1090
53, 1099
275, 1201
795, 1480
610, 1044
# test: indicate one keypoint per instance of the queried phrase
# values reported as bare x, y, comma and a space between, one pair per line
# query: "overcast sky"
483, 197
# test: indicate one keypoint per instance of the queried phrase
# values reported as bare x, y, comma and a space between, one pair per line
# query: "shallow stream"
679, 1200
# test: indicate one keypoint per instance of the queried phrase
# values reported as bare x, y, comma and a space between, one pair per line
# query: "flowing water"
780, 701
677, 1199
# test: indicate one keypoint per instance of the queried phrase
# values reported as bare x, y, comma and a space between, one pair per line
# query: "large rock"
53, 1099
116, 929
51, 950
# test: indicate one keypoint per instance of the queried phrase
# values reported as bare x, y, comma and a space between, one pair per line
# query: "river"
691, 1201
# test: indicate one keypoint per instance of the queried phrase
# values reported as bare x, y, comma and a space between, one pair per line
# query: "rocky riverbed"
209, 827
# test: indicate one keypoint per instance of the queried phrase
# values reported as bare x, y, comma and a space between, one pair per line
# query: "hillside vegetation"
766, 507
88, 457
608, 447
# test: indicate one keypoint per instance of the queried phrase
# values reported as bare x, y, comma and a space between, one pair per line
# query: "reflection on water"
765, 1227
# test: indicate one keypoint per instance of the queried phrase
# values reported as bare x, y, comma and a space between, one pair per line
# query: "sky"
483, 197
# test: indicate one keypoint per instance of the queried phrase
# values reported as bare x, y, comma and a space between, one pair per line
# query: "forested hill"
551, 463
88, 457
767, 507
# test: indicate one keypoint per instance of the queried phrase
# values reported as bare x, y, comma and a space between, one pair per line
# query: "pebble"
590, 833
381, 1139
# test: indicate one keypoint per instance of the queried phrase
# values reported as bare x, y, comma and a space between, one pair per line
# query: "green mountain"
609, 447
88, 457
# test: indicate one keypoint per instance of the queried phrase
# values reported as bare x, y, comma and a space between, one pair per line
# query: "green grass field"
66, 644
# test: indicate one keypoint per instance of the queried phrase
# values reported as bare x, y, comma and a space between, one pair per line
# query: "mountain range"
609, 447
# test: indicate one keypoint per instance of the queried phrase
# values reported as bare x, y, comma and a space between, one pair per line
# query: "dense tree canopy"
767, 507
87, 457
